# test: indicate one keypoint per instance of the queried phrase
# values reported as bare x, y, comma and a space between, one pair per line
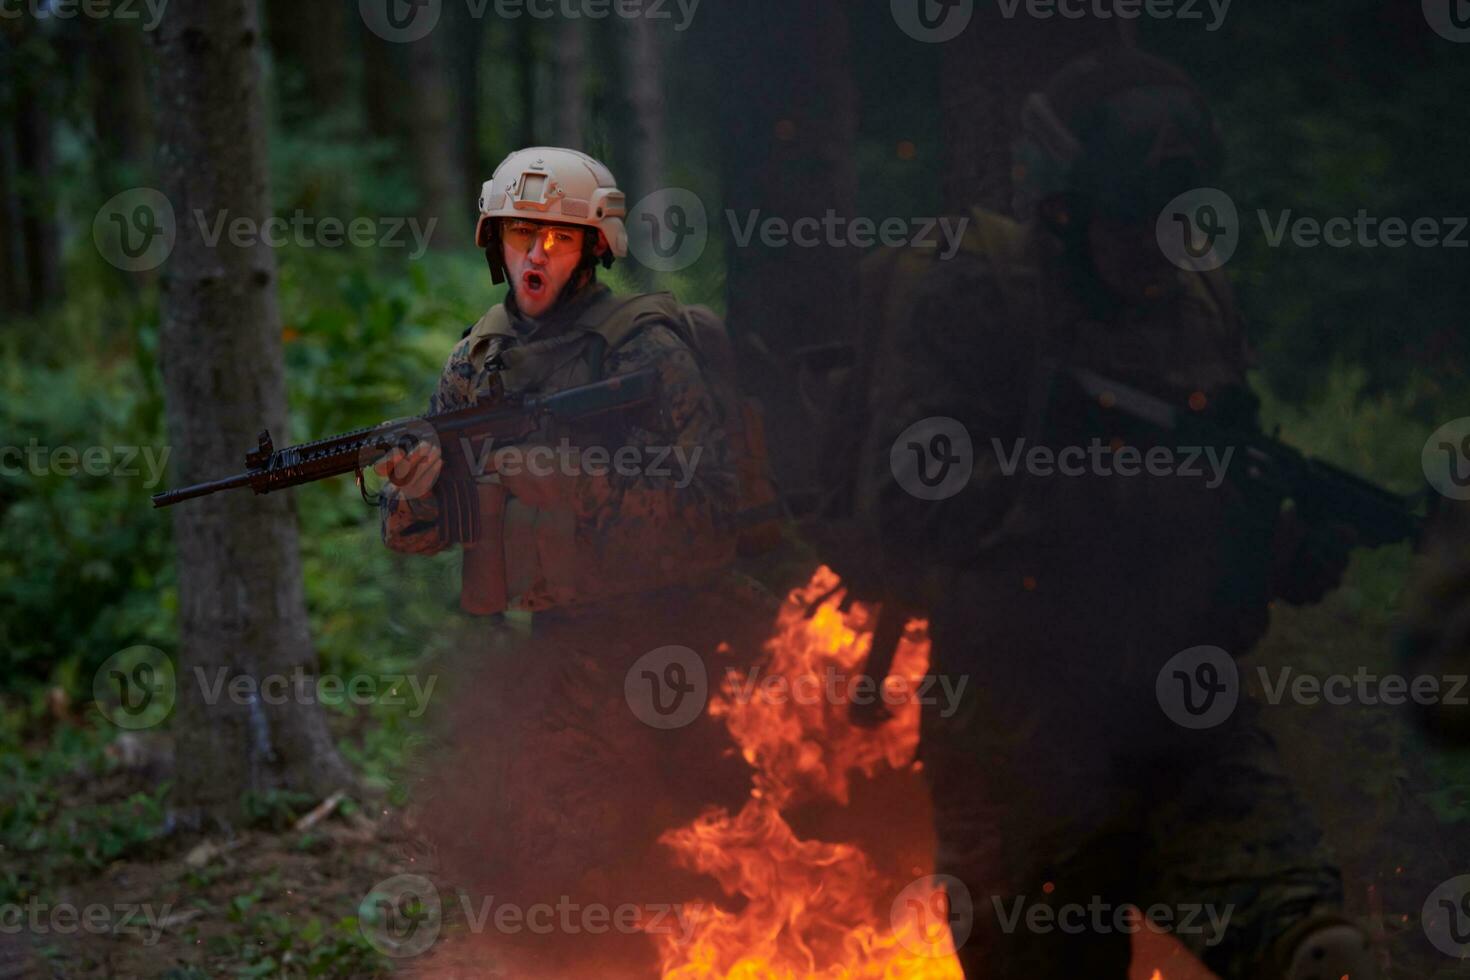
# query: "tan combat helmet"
549, 183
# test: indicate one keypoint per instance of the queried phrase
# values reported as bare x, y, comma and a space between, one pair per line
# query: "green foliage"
83, 559
1330, 107
186, 972
263, 942
275, 810
1448, 795
1377, 437
48, 834
276, 945
334, 169
87, 564
1374, 434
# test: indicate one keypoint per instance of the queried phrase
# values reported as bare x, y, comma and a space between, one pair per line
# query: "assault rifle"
1321, 492
465, 436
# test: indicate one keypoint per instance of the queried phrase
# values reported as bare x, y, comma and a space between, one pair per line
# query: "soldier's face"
540, 259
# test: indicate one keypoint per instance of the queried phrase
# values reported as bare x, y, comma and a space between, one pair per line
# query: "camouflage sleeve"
411, 525
951, 354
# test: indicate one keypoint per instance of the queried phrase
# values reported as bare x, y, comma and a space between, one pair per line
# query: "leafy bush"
47, 835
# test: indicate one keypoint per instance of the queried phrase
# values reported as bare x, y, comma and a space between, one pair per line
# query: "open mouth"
534, 283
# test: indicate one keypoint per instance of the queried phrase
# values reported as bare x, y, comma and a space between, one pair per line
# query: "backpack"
758, 511
843, 524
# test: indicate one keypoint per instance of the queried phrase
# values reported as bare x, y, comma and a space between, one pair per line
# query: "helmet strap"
496, 262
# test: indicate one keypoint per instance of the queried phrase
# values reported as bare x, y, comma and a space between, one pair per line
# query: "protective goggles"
555, 239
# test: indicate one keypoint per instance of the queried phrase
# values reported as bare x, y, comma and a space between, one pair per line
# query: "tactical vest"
495, 569
1203, 348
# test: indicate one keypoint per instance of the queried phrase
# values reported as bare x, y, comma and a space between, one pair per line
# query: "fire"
808, 909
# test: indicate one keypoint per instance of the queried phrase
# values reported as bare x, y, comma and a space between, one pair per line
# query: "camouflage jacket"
1110, 561
624, 509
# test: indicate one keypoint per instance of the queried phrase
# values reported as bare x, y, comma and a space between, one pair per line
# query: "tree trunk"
987, 72
787, 151
36, 160
526, 61
444, 197
642, 72
469, 45
382, 89
568, 66
121, 113
242, 609
12, 287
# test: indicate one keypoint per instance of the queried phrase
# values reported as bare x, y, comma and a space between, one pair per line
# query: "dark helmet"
1118, 132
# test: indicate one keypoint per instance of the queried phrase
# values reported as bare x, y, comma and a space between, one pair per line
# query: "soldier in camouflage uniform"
558, 788
559, 327
1059, 780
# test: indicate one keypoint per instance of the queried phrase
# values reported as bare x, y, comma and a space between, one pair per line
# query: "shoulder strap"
495, 323
612, 319
616, 318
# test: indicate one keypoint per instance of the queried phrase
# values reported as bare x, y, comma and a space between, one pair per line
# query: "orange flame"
808, 909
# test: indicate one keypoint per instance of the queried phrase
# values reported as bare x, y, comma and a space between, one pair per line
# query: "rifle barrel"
171, 497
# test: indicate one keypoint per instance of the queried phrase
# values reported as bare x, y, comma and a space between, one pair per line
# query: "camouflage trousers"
1064, 799
559, 786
